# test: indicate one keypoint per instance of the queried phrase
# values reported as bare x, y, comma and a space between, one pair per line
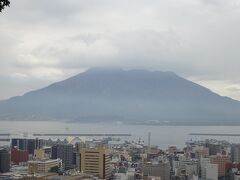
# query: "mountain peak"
111, 71
114, 94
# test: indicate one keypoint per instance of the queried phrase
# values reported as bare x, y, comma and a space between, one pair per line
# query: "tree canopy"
3, 4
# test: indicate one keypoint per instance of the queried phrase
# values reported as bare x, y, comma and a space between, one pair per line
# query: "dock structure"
7, 136
213, 134
76, 134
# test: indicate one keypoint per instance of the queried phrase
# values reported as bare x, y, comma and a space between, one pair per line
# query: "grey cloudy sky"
45, 41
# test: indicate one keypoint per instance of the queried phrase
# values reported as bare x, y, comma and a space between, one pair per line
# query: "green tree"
3, 4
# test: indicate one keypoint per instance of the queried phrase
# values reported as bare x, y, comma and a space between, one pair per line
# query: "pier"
213, 134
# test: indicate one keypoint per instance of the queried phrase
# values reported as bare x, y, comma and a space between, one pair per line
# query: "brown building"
19, 156
95, 162
221, 161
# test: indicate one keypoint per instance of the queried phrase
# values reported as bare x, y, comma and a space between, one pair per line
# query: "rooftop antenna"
149, 140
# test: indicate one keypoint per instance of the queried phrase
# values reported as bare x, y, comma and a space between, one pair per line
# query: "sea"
161, 136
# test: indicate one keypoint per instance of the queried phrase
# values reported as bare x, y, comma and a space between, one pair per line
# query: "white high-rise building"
235, 153
211, 172
203, 164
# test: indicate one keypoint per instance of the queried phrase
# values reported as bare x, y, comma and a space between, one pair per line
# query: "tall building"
4, 161
191, 168
27, 144
214, 149
65, 153
211, 171
19, 143
76, 159
96, 162
235, 153
39, 143
221, 161
149, 140
208, 171
19, 156
31, 145
203, 163
186, 167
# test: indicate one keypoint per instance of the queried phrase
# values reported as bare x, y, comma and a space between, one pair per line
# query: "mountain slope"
135, 96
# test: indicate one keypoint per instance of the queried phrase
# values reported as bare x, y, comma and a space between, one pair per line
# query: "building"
211, 171
214, 149
203, 163
191, 168
172, 150
235, 153
39, 154
120, 176
236, 176
162, 169
185, 167
131, 174
19, 143
153, 178
19, 156
80, 145
31, 145
44, 166
4, 161
96, 162
201, 152
76, 159
221, 161
65, 153
27, 144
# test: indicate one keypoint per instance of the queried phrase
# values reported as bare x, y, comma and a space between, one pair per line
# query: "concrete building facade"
4, 161
221, 161
211, 171
162, 169
44, 166
235, 153
65, 153
95, 161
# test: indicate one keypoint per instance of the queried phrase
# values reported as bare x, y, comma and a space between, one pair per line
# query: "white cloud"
48, 41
